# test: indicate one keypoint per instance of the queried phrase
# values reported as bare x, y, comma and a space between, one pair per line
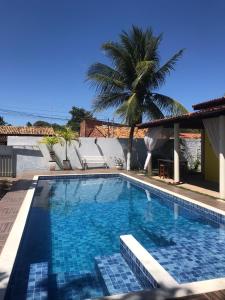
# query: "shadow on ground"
198, 180
162, 293
22, 185
2, 290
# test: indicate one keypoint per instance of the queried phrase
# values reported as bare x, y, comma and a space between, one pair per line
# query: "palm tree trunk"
130, 145
66, 151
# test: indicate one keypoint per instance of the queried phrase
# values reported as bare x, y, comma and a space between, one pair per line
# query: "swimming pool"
73, 220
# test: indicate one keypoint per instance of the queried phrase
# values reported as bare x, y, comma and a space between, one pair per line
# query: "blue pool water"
72, 221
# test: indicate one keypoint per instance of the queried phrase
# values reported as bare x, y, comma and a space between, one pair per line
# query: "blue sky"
46, 47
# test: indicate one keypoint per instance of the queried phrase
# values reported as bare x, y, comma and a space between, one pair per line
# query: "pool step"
38, 282
113, 277
78, 286
43, 286
116, 274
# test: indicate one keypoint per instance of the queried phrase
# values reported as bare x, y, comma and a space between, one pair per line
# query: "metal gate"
6, 165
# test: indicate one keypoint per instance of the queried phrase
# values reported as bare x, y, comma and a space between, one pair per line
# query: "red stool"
163, 171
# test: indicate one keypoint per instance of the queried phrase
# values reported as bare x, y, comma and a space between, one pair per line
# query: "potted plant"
50, 141
67, 135
119, 163
197, 165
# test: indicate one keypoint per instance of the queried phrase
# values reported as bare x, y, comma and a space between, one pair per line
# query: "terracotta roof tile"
38, 131
190, 135
201, 114
210, 103
115, 131
123, 132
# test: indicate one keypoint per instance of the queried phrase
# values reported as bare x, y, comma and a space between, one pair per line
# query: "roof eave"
209, 104
186, 119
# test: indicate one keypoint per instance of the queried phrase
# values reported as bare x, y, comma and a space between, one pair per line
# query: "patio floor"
194, 191
195, 183
12, 200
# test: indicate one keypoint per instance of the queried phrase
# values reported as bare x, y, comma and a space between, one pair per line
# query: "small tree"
3, 122
50, 141
78, 115
41, 123
67, 134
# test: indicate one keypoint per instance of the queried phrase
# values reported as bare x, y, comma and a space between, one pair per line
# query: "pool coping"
198, 203
10, 249
145, 262
192, 288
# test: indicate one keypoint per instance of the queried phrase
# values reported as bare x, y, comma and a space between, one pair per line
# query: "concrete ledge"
168, 287
143, 264
200, 204
9, 252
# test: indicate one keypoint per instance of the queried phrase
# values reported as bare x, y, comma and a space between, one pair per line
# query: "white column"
150, 166
176, 153
128, 161
222, 156
203, 152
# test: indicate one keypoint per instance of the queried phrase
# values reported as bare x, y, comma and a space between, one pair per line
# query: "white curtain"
154, 139
212, 129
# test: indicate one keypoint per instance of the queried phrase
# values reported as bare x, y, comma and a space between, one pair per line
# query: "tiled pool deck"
11, 203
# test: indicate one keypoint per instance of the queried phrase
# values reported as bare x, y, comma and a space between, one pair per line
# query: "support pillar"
203, 153
150, 167
128, 161
176, 154
222, 156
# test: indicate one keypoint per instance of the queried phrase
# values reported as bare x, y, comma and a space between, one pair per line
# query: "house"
29, 131
19, 149
97, 128
209, 118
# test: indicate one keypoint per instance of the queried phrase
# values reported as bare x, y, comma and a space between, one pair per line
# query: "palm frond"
121, 59
144, 69
159, 77
152, 44
130, 111
105, 78
138, 38
151, 109
169, 106
127, 43
106, 100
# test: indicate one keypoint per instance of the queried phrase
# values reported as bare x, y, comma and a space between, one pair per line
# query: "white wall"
32, 155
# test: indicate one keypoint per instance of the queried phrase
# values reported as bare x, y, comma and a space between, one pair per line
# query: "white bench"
93, 160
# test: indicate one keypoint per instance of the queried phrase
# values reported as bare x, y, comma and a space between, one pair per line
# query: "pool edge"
10, 249
214, 209
144, 264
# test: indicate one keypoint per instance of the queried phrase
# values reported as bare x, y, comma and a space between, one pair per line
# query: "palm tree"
67, 134
50, 141
131, 83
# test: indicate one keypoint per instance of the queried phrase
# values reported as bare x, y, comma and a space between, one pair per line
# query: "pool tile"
38, 282
116, 274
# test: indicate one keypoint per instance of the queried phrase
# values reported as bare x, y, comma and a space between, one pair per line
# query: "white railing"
6, 165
